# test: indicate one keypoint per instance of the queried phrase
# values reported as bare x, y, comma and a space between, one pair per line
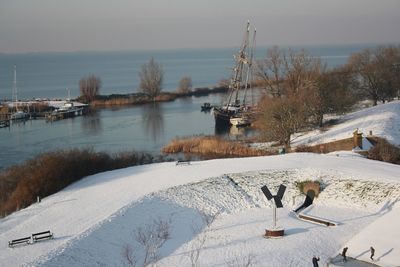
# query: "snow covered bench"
183, 162
42, 235
24, 240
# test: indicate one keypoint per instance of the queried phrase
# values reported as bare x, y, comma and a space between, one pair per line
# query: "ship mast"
15, 89
249, 72
243, 63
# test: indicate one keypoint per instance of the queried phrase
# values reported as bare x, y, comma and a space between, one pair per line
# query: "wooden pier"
5, 120
63, 114
4, 123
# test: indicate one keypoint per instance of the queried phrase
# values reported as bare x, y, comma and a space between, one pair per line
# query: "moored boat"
67, 110
206, 107
238, 109
17, 114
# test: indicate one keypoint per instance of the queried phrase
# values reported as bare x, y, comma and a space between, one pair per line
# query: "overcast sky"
81, 25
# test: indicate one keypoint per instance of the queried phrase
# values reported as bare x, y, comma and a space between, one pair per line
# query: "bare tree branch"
89, 87
151, 78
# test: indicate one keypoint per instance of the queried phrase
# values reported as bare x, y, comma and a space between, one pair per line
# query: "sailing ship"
17, 114
237, 111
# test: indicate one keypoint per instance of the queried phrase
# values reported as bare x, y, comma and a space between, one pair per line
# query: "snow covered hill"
215, 214
382, 120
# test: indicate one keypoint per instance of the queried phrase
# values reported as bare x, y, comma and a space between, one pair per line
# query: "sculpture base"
274, 233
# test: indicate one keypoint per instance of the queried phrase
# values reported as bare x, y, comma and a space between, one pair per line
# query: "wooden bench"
24, 240
183, 162
42, 235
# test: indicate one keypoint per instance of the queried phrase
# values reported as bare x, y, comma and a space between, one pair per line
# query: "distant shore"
39, 107
141, 98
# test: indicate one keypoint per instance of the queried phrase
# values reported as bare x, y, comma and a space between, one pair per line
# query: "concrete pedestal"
274, 233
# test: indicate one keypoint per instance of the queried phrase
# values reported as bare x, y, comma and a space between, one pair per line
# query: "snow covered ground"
94, 219
383, 120
216, 214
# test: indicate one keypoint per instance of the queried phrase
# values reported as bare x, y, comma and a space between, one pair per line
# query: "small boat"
206, 107
19, 115
67, 110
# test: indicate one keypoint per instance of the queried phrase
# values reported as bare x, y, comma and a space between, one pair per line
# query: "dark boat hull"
222, 117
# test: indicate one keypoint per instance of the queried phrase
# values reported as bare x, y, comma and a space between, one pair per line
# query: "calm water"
47, 75
144, 128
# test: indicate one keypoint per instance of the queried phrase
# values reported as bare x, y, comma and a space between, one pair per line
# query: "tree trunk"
287, 142
320, 119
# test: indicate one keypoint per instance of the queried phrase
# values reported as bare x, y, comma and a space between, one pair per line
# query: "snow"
383, 120
216, 208
377, 235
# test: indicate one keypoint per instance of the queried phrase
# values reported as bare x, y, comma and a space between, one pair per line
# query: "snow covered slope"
95, 221
95, 218
383, 120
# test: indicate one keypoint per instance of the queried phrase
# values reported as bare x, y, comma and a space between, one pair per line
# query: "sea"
142, 128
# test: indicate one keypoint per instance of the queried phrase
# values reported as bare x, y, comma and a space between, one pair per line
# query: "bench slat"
19, 241
41, 233
42, 237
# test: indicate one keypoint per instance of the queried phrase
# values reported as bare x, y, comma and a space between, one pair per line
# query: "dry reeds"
210, 145
134, 99
120, 100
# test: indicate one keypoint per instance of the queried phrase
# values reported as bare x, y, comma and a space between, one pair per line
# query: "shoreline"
112, 100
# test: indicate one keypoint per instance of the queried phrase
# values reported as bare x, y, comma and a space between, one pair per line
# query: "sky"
105, 25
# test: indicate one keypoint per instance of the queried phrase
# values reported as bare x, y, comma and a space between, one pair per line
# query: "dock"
50, 110
4, 123
63, 114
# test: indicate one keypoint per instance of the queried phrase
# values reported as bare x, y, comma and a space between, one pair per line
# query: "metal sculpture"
278, 204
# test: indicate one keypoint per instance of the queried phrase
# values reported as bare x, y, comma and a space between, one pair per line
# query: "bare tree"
292, 83
151, 78
185, 85
197, 245
89, 87
377, 72
195, 249
280, 118
128, 255
271, 71
335, 93
152, 237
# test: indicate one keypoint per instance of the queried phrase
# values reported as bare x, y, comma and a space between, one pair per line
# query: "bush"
304, 148
50, 172
384, 151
